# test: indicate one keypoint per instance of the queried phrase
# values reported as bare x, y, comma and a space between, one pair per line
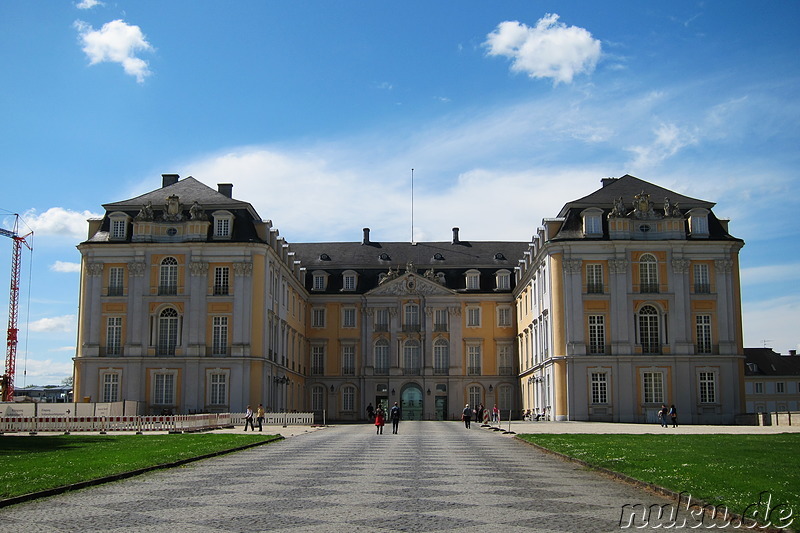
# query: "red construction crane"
7, 380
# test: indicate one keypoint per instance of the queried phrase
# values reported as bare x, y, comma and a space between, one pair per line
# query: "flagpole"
412, 206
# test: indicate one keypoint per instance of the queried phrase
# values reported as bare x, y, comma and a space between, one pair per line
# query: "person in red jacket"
380, 420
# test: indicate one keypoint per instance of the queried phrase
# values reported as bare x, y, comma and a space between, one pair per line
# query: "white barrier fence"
278, 419
102, 424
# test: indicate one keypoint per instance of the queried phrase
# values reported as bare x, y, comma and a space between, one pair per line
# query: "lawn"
729, 470
31, 464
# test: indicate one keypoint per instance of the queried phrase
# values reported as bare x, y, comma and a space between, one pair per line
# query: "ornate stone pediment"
410, 283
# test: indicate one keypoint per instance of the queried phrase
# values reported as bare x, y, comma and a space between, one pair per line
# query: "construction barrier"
277, 419
102, 424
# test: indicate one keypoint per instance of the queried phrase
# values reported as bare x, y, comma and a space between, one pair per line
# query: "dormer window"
473, 280
349, 279
698, 222
118, 226
503, 280
592, 222
223, 224
320, 281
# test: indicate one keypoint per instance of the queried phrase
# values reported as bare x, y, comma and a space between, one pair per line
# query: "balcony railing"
381, 371
217, 351
594, 288
505, 371
649, 288
115, 291
165, 349
111, 351
381, 327
440, 327
412, 371
411, 328
474, 371
706, 348
221, 290
441, 371
317, 370
651, 348
348, 371
167, 290
702, 288
598, 349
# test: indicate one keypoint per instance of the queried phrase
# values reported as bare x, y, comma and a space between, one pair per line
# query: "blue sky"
318, 111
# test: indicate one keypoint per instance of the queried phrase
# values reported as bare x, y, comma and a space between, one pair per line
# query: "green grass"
32, 464
729, 470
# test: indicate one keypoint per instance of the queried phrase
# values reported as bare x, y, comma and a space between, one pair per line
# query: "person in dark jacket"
394, 414
466, 416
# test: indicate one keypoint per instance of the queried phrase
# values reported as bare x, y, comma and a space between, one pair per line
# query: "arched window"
649, 336
648, 274
411, 357
382, 357
441, 356
475, 396
167, 331
168, 276
348, 398
504, 398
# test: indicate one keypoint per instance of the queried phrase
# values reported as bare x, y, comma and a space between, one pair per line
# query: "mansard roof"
627, 187
766, 362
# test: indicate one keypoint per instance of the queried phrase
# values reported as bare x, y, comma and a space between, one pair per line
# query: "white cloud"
64, 266
770, 274
669, 140
551, 49
59, 221
65, 323
772, 323
88, 4
42, 372
116, 42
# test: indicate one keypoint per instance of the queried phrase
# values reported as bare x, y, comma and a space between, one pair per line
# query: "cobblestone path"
432, 476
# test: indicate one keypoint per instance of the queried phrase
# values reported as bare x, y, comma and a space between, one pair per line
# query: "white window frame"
318, 359
219, 335
381, 319
163, 393
411, 316
217, 381
111, 381
318, 398
702, 280
168, 276
348, 360
505, 398
473, 280
504, 317
597, 334
114, 335
441, 356
474, 360
707, 386
318, 317
319, 280
349, 281
168, 331
348, 398
592, 222
475, 394
473, 316
648, 328
348, 317
503, 280
381, 352
648, 273
703, 333
223, 225
412, 357
118, 226
594, 278
653, 387
116, 281
505, 359
599, 388
698, 222
222, 281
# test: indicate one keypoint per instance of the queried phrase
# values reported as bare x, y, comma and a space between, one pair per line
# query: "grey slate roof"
770, 363
627, 187
188, 189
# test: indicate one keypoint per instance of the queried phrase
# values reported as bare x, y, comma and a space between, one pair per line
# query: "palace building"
190, 302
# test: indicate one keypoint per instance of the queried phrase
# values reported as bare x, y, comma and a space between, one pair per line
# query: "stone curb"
638, 482
124, 475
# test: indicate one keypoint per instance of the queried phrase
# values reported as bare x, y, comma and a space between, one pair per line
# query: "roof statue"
196, 212
145, 213
174, 209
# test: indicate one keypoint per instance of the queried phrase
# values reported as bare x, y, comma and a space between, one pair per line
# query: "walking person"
495, 414
394, 414
370, 412
379, 421
260, 417
466, 416
673, 415
662, 415
248, 419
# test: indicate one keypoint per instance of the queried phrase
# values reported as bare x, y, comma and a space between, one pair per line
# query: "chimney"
793, 353
608, 181
225, 189
169, 179
366, 236
455, 236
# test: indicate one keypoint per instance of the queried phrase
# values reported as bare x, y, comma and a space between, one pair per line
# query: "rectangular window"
116, 277
348, 317
759, 388
592, 225
780, 387
708, 387
222, 227
653, 387
219, 341
348, 360
597, 334
701, 279
440, 320
114, 335
504, 360
218, 389
381, 320
412, 316
164, 389
594, 279
319, 282
473, 317
318, 360
474, 360
221, 281
317, 398
599, 387
703, 329
504, 317
318, 318
473, 281
349, 399
349, 282
118, 228
503, 282
110, 387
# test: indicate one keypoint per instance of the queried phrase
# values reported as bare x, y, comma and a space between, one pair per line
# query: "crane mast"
7, 380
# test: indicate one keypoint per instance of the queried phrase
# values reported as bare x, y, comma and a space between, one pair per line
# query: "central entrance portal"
411, 402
